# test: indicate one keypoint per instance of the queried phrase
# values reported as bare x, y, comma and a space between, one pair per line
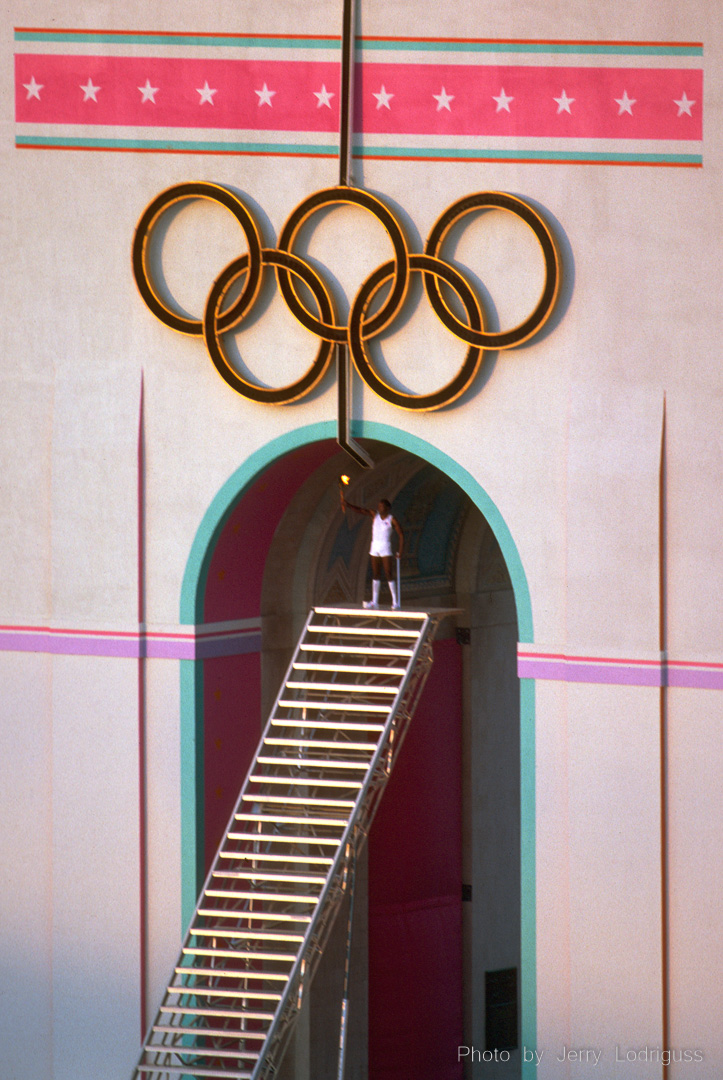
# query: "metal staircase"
283, 867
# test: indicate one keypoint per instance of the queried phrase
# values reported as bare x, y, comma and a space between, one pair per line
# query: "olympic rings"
322, 323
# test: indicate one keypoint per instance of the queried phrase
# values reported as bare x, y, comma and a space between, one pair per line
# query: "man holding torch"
380, 552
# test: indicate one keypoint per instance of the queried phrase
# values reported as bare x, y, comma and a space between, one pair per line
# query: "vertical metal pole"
347, 969
346, 130
346, 107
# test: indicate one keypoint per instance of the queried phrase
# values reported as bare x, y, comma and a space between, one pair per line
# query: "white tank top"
382, 535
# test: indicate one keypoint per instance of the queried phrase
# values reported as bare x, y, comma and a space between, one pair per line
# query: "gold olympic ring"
428, 265
355, 197
212, 319
141, 245
504, 339
322, 323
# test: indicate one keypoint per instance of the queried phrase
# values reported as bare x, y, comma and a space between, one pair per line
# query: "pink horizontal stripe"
413, 108
533, 111
570, 658
235, 105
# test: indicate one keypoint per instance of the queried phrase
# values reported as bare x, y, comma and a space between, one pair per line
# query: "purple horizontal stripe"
170, 648
130, 646
616, 674
622, 674
696, 678
62, 645
609, 674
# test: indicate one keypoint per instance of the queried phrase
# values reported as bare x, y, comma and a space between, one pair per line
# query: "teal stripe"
525, 155
393, 45
554, 48
192, 793
200, 147
371, 152
240, 41
528, 878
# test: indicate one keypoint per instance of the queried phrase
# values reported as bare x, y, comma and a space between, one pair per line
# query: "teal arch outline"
191, 613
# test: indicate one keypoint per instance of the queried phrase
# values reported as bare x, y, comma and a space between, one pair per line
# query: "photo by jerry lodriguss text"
586, 1055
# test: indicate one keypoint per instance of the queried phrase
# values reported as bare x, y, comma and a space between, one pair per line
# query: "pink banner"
393, 98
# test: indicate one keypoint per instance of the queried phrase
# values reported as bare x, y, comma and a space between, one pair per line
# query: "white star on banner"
383, 99
563, 103
684, 105
89, 91
323, 96
149, 92
503, 101
625, 103
443, 100
34, 89
265, 96
206, 93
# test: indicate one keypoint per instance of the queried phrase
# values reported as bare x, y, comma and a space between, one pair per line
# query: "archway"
307, 478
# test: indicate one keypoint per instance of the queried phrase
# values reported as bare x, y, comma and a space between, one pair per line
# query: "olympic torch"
344, 482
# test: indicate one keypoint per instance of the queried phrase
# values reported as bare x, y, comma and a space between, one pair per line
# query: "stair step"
341, 688
276, 819
313, 763
279, 839
204, 1052
374, 613
215, 991
188, 1070
326, 725
356, 650
241, 954
281, 897
245, 935
360, 631
228, 973
297, 800
265, 856
229, 1014
321, 744
304, 781
268, 875
226, 1033
350, 669
333, 706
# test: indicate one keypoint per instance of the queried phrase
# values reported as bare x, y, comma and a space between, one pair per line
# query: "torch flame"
345, 480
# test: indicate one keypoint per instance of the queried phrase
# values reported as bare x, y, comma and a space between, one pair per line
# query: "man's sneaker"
369, 604
396, 607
